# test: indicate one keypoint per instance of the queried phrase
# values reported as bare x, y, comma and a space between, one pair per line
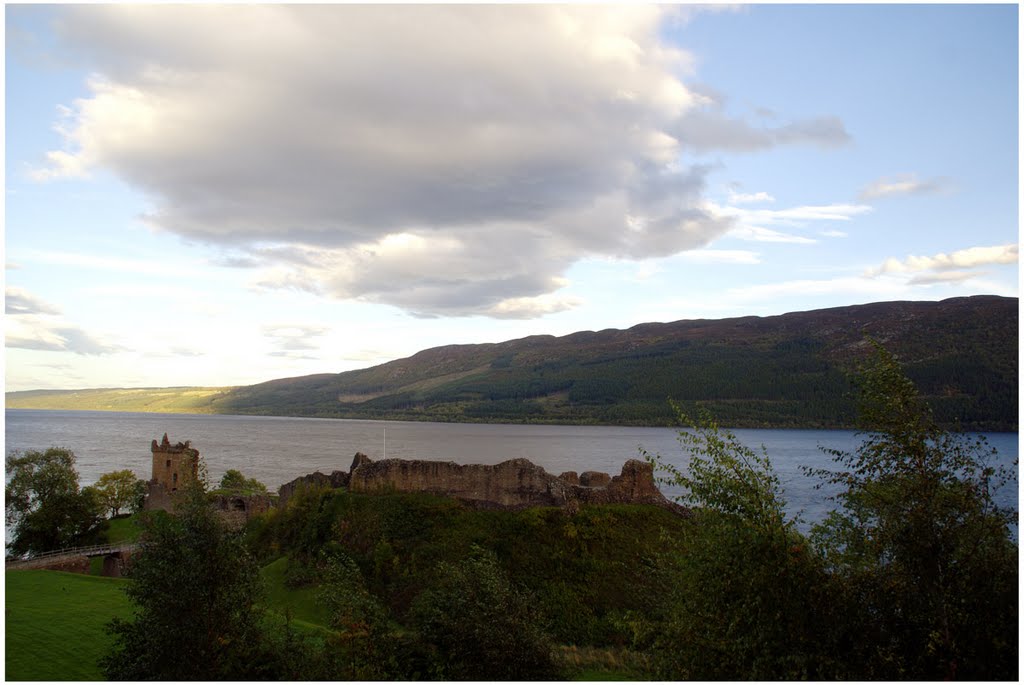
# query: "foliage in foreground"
481, 626
928, 565
745, 598
913, 577
195, 590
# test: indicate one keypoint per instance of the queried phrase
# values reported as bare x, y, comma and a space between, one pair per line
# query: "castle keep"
173, 466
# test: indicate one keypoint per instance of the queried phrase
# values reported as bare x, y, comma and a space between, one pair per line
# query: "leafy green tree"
745, 598
118, 490
481, 625
233, 480
138, 500
196, 591
364, 637
924, 552
44, 504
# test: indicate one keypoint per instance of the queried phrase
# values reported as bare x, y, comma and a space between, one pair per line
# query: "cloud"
970, 258
35, 335
18, 301
292, 341
33, 324
447, 160
904, 184
736, 198
751, 224
707, 129
945, 277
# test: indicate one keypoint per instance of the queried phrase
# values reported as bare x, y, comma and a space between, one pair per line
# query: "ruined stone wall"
157, 498
236, 510
337, 479
517, 483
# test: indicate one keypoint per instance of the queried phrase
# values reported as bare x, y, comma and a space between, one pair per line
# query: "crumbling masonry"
513, 484
173, 466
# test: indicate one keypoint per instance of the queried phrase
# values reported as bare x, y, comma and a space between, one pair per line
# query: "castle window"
168, 463
175, 479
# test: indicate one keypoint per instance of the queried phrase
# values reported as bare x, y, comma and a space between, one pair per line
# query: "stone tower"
173, 466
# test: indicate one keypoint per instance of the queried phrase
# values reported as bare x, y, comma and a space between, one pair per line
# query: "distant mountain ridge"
790, 370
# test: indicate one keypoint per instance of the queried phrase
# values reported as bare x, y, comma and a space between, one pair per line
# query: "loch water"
276, 450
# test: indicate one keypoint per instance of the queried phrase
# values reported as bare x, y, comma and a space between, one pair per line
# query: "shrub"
482, 626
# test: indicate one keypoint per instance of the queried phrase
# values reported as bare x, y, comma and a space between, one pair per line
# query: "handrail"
88, 550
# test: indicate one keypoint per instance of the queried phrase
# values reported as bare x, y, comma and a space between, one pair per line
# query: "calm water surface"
276, 449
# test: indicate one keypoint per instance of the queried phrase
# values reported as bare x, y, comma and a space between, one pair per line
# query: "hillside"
790, 370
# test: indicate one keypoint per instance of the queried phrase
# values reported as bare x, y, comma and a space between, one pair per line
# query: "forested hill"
780, 371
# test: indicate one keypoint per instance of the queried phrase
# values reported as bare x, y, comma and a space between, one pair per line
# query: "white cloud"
904, 184
294, 340
751, 224
448, 160
18, 301
749, 198
33, 324
945, 277
968, 258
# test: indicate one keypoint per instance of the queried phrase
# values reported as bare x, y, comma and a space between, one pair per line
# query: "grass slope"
299, 603
156, 400
55, 624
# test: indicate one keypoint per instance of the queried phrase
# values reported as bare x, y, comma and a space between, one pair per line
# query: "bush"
745, 598
925, 555
196, 591
481, 626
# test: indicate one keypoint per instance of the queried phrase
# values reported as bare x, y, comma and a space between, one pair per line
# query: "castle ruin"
173, 466
512, 484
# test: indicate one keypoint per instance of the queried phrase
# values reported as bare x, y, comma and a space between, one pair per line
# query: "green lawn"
55, 623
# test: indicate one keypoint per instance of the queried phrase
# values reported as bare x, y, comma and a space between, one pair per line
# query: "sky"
203, 195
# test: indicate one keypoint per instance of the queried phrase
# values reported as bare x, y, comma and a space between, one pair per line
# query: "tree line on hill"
783, 371
913, 576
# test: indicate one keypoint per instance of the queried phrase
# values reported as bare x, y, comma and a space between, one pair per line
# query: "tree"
44, 503
233, 480
118, 490
196, 591
745, 598
364, 638
482, 626
924, 553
